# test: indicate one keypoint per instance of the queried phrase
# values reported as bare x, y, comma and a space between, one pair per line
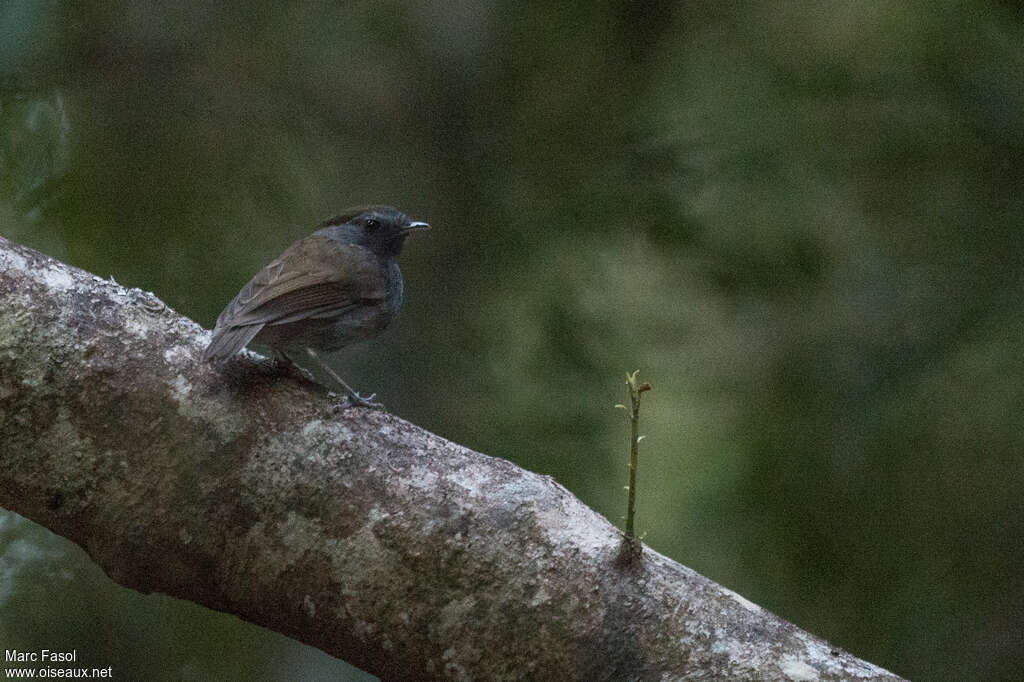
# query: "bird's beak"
413, 226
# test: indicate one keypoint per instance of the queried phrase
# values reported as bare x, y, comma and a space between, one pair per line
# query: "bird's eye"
372, 225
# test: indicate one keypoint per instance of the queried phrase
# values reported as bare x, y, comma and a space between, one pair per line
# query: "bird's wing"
316, 277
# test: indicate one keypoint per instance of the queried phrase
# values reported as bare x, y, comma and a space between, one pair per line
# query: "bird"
339, 285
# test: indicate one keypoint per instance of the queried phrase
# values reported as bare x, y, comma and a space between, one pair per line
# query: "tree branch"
354, 531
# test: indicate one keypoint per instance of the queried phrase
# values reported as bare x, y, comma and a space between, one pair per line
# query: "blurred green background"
801, 221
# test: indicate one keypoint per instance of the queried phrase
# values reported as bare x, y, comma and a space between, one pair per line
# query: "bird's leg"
354, 399
286, 364
281, 359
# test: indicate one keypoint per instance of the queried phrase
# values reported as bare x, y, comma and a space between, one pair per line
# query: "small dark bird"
336, 286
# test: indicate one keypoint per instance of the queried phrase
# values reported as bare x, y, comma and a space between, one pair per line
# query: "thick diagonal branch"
356, 532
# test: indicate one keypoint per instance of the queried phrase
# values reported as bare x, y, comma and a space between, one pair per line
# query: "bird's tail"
227, 341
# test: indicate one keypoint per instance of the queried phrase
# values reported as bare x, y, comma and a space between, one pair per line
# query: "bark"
354, 531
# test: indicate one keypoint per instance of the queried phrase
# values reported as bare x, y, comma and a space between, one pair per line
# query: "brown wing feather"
227, 341
312, 301
315, 277
313, 273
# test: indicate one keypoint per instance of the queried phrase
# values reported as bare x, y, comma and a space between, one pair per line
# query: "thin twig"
635, 392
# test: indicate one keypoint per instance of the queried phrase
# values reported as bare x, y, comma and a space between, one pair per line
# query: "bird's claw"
356, 400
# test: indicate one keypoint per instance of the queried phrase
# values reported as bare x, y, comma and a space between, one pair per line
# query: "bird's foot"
356, 400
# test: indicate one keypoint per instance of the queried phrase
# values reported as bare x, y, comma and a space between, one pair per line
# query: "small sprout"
633, 545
